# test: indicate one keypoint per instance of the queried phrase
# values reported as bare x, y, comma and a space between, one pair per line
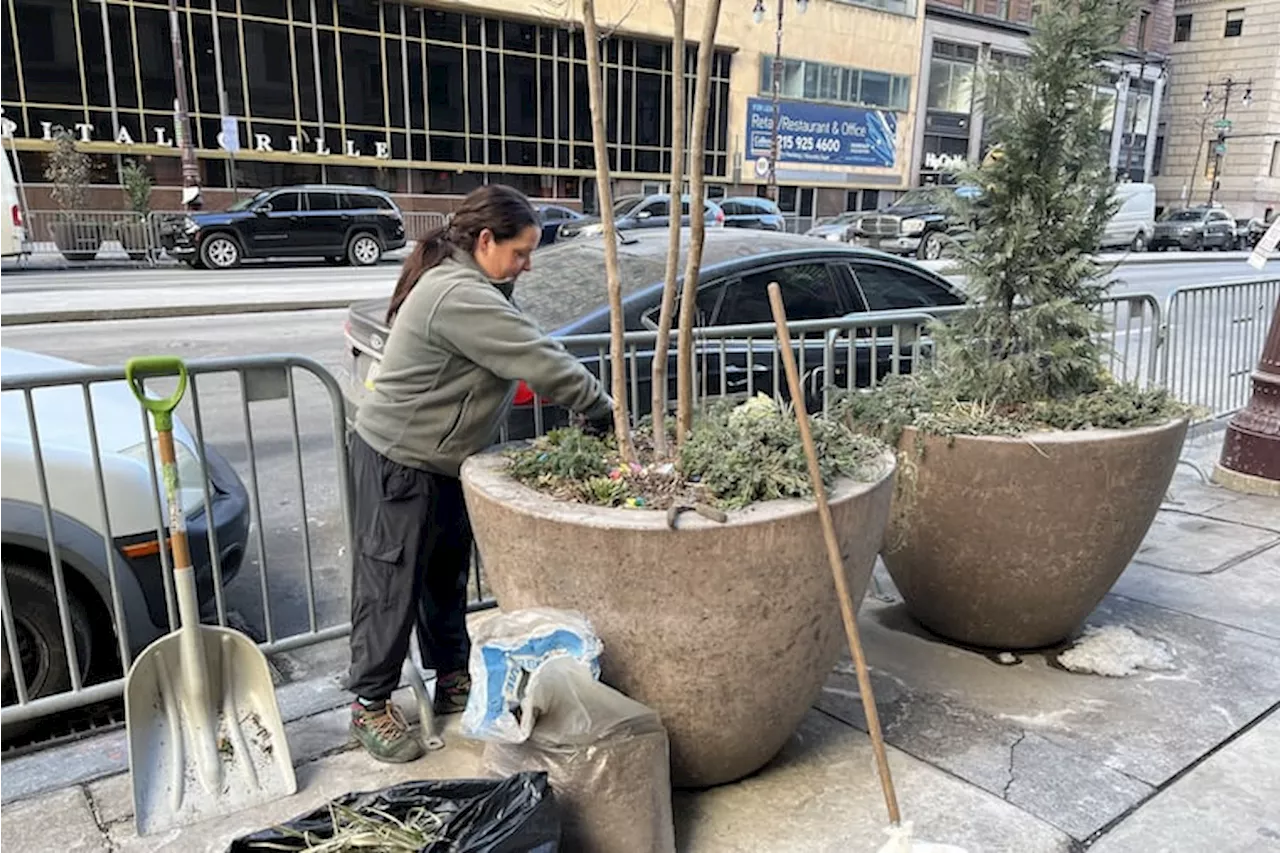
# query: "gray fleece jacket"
449, 370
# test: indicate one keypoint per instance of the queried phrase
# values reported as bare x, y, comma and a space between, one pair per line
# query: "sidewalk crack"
1022, 735
96, 814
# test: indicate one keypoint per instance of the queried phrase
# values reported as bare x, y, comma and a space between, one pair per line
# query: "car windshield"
844, 218
623, 206
567, 279
1185, 216
249, 203
923, 197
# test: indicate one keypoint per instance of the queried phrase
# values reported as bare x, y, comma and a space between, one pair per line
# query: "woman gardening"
458, 344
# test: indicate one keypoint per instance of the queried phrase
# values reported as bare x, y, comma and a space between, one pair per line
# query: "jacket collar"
465, 258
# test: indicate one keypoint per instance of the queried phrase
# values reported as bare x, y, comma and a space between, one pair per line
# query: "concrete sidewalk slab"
822, 795
1219, 544
1228, 804
1077, 751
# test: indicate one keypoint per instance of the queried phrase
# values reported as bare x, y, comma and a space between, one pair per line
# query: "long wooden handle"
833, 555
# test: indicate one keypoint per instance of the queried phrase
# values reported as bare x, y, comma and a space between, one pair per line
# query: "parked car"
1249, 232
552, 217
352, 224
13, 233
81, 538
632, 212
563, 294
750, 212
838, 229
1134, 222
920, 223
1194, 229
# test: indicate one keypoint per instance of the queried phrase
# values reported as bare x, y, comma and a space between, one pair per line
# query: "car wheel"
38, 632
930, 247
220, 252
364, 250
1139, 243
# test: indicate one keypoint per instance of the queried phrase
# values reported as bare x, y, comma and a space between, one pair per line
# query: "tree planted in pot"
133, 233
688, 604
69, 170
1028, 476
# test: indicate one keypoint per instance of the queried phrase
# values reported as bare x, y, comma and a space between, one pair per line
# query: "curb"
159, 312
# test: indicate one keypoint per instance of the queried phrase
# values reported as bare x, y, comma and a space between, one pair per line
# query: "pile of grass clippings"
735, 456
923, 401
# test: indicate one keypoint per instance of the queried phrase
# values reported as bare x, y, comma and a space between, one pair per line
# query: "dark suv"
351, 224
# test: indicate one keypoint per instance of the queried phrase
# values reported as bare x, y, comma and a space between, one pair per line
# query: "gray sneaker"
382, 731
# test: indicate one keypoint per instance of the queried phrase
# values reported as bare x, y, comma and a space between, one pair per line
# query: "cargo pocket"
382, 544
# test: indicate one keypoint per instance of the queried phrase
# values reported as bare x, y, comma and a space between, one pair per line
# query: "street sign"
1222, 124
229, 139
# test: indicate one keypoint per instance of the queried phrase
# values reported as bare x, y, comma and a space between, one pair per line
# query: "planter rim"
486, 472
1060, 436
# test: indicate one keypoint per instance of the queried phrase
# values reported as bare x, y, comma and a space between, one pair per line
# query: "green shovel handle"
137, 369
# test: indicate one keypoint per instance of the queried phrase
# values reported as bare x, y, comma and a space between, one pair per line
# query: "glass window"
330, 87
656, 208
520, 89
358, 15
324, 201
1235, 23
1182, 28
121, 59
94, 56
155, 57
47, 34
304, 58
395, 81
267, 58
443, 26
286, 202
362, 79
891, 288
444, 88
807, 289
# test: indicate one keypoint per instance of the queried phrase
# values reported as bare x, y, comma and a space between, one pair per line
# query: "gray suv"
1194, 229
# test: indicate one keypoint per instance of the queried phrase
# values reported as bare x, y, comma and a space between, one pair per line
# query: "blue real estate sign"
822, 133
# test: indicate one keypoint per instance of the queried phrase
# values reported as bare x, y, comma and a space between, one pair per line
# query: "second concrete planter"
728, 630
1010, 542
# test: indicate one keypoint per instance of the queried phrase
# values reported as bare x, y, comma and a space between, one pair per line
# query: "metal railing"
1213, 336
417, 223
107, 235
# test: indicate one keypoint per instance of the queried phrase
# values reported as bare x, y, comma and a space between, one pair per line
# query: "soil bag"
512, 815
505, 651
607, 758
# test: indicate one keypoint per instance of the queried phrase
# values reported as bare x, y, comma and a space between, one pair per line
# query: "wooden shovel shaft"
833, 555
177, 520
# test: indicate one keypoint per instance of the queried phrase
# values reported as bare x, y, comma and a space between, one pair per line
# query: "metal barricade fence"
417, 223
91, 519
1212, 338
89, 235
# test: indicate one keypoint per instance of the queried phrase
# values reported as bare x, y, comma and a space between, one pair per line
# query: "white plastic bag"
505, 652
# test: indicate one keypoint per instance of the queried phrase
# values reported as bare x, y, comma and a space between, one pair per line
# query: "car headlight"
591, 230
190, 474
189, 225
835, 236
911, 227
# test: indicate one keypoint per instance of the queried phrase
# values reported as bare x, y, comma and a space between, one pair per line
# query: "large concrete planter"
1010, 543
727, 630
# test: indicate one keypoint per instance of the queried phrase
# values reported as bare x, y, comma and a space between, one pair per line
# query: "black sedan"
552, 217
565, 292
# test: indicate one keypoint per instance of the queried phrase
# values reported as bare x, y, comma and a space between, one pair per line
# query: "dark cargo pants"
411, 560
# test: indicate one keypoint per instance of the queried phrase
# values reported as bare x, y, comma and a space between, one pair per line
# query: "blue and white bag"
506, 651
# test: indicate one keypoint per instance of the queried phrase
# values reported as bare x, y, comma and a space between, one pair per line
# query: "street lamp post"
181, 124
1220, 143
758, 14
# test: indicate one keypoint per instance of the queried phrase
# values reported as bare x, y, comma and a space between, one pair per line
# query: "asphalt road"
289, 532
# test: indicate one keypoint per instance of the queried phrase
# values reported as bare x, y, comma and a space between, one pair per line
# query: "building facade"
1216, 141
436, 99
967, 44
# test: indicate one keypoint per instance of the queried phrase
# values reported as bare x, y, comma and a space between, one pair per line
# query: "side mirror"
263, 209
644, 214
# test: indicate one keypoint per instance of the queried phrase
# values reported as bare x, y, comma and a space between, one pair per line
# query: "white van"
1134, 221
13, 233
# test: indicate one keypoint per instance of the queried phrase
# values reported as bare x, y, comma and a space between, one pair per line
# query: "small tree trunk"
662, 346
617, 363
697, 221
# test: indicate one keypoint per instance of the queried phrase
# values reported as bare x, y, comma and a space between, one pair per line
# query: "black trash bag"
512, 815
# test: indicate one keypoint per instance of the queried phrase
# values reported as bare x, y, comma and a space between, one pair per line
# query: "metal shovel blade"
194, 758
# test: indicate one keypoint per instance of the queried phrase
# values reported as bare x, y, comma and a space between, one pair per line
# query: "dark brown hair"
503, 210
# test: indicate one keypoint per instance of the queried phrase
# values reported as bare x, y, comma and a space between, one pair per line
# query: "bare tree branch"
662, 347
697, 221
617, 363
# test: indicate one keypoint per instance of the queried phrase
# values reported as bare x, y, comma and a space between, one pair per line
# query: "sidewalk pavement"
990, 752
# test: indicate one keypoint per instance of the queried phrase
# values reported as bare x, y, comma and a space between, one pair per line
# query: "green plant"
137, 187
69, 170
